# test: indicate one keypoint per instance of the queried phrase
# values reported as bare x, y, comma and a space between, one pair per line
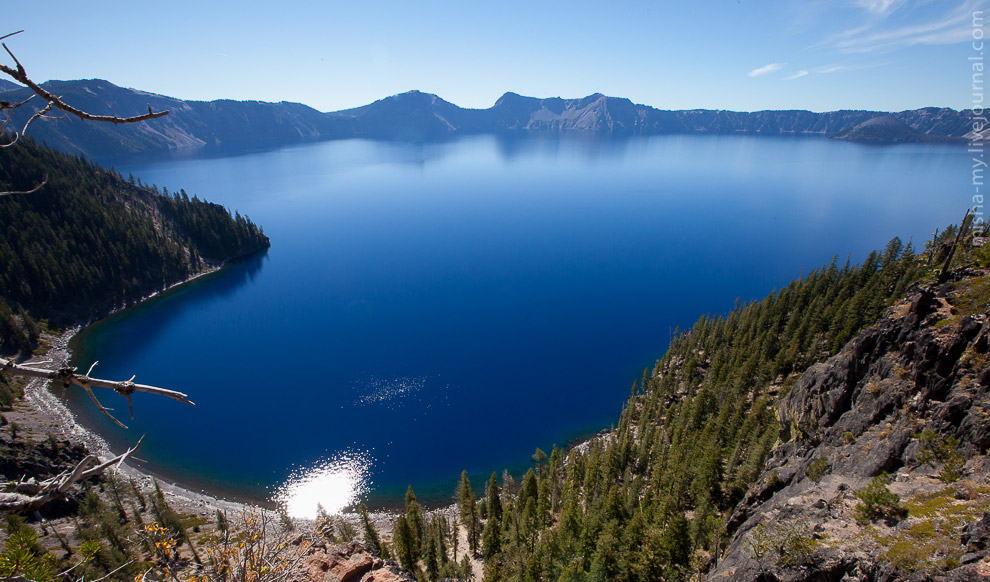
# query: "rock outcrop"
326, 562
908, 397
25, 459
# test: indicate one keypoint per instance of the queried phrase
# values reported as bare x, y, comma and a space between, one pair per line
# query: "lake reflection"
330, 486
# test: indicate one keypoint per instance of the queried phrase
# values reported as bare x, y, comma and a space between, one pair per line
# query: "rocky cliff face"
908, 398
415, 115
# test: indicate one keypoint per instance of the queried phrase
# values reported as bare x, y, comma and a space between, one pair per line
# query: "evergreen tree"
494, 498
693, 437
404, 543
90, 241
372, 540
491, 539
469, 511
414, 516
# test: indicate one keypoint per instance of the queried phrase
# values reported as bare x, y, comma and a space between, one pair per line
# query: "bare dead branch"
52, 101
103, 409
118, 569
40, 113
20, 75
7, 105
10, 34
116, 462
65, 573
32, 190
27, 496
9, 108
17, 136
69, 376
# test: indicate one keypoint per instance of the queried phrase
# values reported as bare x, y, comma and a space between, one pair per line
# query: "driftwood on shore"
69, 376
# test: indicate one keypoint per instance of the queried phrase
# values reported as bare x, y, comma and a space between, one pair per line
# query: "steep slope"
909, 396
89, 241
189, 123
651, 499
883, 129
6, 85
758, 447
938, 121
594, 113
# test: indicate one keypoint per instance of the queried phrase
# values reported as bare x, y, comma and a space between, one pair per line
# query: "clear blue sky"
733, 54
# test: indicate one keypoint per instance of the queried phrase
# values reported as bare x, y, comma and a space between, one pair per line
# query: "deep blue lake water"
428, 308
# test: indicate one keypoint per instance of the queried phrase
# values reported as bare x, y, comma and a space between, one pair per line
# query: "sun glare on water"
333, 485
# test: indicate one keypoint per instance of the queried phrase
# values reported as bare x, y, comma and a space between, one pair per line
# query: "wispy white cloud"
879, 7
842, 68
765, 69
949, 28
833, 69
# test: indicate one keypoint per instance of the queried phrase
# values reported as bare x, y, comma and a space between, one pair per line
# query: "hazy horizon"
883, 55
565, 97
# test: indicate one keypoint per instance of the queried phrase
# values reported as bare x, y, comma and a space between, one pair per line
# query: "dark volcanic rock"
351, 562
25, 460
920, 368
21, 458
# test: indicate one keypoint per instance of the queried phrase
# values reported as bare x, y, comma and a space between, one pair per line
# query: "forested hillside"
89, 241
651, 499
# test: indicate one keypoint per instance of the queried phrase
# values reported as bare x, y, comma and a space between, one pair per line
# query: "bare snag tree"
52, 102
28, 496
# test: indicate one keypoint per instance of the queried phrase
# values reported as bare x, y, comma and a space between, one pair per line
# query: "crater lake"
431, 307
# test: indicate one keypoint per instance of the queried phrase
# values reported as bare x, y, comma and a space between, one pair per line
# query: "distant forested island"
422, 116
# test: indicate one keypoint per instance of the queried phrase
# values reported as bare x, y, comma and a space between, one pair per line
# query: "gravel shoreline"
40, 412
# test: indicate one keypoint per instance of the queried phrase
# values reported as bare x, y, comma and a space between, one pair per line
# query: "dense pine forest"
652, 499
90, 241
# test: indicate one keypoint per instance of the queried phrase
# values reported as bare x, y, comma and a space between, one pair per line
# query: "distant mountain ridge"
6, 85
415, 115
189, 123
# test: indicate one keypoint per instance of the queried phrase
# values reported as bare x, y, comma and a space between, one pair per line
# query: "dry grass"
929, 539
